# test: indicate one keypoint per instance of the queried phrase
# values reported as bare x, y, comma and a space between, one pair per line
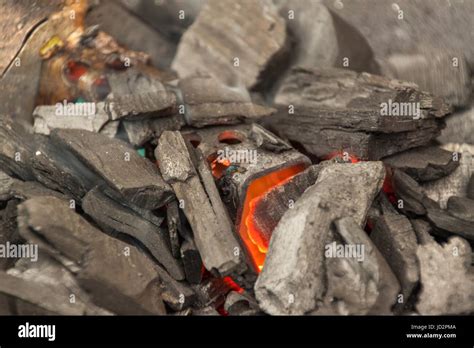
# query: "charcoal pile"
216, 158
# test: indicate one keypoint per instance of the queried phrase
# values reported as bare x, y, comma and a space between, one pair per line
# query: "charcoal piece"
192, 262
241, 304
447, 278
204, 47
144, 105
47, 275
87, 116
424, 163
216, 244
422, 230
117, 276
134, 177
173, 222
269, 209
210, 102
322, 142
177, 295
334, 93
455, 184
358, 286
395, 239
13, 188
37, 294
133, 33
211, 291
115, 217
59, 170
15, 149
462, 208
410, 194
447, 224
340, 190
141, 131
326, 110
433, 71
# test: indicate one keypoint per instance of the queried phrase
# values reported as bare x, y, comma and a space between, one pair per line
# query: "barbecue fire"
256, 240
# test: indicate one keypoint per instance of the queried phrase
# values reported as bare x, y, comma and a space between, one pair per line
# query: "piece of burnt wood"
141, 131
322, 142
344, 98
296, 252
447, 224
237, 303
447, 278
424, 163
192, 262
13, 188
211, 291
411, 196
218, 246
269, 209
90, 118
172, 222
217, 42
461, 207
327, 110
134, 177
208, 101
60, 170
455, 184
177, 295
118, 276
47, 275
394, 237
358, 286
15, 149
144, 105
114, 217
459, 127
40, 295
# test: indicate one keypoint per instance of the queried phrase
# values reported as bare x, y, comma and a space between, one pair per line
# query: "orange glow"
255, 240
218, 166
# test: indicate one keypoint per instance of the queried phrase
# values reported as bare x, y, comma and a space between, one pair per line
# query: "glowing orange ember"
255, 240
218, 165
